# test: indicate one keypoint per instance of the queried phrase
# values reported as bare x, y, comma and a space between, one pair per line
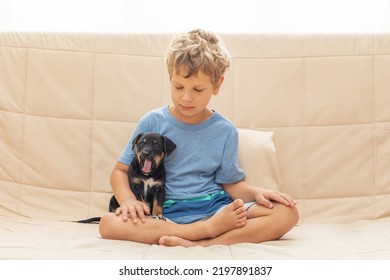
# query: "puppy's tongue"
147, 166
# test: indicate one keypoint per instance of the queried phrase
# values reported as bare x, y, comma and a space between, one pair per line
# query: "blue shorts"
201, 208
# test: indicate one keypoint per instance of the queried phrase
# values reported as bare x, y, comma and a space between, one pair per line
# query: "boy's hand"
133, 209
266, 197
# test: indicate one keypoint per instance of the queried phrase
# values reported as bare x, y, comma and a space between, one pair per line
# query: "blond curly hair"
198, 50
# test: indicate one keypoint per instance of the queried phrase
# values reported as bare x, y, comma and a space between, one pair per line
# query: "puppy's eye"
156, 147
141, 144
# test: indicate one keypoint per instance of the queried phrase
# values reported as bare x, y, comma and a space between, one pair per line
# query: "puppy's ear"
135, 140
169, 146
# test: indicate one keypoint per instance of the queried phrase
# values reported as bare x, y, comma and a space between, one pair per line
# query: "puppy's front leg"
157, 209
158, 201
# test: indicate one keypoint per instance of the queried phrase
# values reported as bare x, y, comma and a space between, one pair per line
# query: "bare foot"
230, 217
176, 241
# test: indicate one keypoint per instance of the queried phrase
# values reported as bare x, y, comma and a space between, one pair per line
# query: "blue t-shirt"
205, 156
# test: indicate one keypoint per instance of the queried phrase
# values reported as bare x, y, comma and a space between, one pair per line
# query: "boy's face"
190, 96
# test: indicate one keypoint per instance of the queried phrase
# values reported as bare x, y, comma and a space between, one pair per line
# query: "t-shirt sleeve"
230, 171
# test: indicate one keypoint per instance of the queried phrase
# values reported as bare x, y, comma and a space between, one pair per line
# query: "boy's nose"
186, 96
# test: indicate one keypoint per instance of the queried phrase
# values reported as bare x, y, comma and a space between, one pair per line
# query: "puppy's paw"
157, 217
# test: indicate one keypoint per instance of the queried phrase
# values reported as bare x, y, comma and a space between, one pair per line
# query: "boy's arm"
130, 207
262, 196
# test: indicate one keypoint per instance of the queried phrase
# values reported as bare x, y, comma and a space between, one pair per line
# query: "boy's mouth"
187, 108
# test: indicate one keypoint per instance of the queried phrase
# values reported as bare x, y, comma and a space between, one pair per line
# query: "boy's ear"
218, 85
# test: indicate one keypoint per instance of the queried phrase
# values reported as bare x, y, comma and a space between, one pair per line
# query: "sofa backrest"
69, 103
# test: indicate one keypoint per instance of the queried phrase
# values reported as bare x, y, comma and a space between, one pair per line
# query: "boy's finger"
265, 202
125, 213
133, 215
146, 209
285, 199
141, 213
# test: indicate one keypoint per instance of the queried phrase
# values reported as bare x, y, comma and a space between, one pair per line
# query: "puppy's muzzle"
147, 162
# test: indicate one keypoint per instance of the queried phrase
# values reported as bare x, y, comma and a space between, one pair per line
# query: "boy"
207, 200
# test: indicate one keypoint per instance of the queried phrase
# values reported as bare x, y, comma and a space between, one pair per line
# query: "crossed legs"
262, 224
233, 224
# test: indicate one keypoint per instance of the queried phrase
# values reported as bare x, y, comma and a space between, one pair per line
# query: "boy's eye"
179, 88
198, 90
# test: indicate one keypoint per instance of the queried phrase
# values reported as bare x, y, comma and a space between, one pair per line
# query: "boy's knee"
106, 226
291, 215
294, 215
289, 219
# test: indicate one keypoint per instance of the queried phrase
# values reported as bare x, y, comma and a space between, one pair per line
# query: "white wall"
249, 16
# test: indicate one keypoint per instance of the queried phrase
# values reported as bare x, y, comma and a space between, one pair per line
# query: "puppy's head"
150, 150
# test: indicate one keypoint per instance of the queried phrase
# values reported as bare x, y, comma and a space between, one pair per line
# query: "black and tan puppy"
146, 171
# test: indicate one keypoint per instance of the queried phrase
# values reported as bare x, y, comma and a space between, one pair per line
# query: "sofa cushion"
257, 156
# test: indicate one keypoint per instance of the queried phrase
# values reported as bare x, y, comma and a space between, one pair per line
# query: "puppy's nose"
146, 152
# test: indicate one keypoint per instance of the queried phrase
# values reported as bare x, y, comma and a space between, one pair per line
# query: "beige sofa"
314, 119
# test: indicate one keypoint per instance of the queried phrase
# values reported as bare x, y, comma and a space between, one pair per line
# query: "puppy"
146, 171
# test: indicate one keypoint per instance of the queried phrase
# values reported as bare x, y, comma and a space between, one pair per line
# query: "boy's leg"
262, 224
232, 216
